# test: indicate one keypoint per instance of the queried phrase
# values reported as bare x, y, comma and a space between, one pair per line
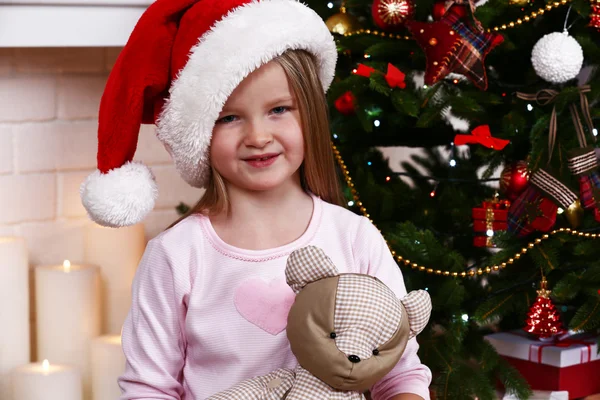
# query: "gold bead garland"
533, 15
464, 274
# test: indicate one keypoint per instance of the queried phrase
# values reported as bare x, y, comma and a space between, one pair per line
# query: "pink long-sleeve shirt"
206, 315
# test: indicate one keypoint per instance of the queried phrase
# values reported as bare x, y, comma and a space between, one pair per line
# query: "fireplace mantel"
68, 23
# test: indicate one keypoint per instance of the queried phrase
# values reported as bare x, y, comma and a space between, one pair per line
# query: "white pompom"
557, 57
121, 197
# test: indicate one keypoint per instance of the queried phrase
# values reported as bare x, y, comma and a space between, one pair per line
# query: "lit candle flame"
46, 365
67, 265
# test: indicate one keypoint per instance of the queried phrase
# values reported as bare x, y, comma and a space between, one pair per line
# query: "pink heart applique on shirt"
265, 305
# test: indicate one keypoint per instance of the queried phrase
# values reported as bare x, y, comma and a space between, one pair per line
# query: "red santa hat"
182, 61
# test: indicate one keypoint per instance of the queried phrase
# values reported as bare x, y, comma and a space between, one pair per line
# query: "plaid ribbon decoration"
583, 161
583, 164
531, 212
589, 188
553, 188
469, 57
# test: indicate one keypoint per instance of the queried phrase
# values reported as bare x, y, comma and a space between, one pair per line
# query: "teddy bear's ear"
418, 307
307, 265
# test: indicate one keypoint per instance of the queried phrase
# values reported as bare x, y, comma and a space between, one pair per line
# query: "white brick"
36, 146
53, 242
27, 99
112, 53
6, 61
158, 221
55, 145
27, 198
172, 189
150, 150
6, 149
78, 145
68, 196
79, 96
59, 59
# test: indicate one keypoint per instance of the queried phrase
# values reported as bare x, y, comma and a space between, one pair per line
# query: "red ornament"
595, 15
514, 179
345, 103
439, 10
543, 319
454, 44
390, 15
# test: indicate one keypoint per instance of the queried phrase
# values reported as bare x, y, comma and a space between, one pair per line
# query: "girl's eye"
280, 110
227, 119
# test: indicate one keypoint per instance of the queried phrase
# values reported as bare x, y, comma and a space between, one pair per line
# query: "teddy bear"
346, 330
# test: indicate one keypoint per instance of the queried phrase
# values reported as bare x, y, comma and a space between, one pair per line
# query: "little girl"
236, 89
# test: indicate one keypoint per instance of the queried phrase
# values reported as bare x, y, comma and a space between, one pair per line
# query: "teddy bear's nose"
354, 359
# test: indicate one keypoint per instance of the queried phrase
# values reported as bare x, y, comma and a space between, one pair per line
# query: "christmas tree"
480, 88
543, 320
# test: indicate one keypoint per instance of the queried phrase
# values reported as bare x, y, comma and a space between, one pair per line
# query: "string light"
453, 163
489, 233
369, 163
529, 107
350, 203
595, 132
472, 272
465, 317
560, 210
519, 21
330, 5
376, 123
432, 194
387, 178
367, 56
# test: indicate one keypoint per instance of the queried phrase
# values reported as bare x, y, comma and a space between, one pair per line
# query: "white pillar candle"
68, 315
108, 363
117, 252
45, 381
14, 309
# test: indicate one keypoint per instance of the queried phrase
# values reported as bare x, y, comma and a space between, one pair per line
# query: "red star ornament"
454, 45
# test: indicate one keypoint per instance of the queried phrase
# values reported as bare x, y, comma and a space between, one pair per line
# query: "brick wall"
48, 117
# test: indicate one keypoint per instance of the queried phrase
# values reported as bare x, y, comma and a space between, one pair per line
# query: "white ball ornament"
557, 57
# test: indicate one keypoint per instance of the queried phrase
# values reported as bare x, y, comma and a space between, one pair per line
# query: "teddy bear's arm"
273, 386
309, 387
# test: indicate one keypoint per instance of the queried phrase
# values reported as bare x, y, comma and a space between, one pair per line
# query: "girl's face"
257, 142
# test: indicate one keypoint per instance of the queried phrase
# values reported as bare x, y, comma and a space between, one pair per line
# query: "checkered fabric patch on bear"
309, 387
307, 265
367, 314
273, 386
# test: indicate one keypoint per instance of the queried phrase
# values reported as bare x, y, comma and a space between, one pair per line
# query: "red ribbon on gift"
482, 136
394, 77
561, 343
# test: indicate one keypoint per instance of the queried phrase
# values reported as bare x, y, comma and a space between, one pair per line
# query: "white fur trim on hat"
247, 38
121, 197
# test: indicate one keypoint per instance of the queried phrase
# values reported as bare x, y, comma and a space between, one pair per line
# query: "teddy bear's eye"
332, 335
375, 352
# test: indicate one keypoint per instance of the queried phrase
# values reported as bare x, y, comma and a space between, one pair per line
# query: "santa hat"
182, 61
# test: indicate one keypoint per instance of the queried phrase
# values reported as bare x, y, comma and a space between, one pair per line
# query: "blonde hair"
317, 173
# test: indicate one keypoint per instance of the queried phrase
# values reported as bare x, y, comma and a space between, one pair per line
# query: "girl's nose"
258, 135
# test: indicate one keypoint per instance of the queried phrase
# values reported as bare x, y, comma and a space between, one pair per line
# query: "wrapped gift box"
491, 216
483, 226
571, 365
